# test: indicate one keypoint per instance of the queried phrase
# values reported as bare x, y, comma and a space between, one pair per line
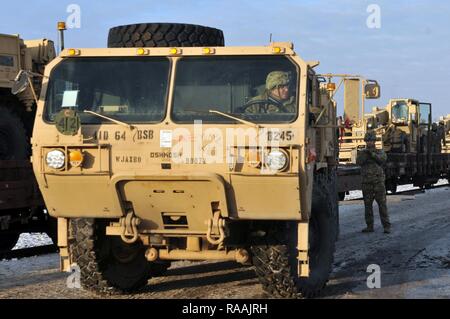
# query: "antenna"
270, 38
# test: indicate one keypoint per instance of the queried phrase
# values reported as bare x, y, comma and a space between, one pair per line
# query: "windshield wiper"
131, 127
235, 118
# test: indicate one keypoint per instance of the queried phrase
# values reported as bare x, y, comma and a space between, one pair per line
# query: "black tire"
341, 196
8, 241
97, 255
164, 35
274, 257
14, 143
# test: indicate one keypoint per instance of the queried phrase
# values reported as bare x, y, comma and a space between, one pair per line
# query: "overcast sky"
409, 54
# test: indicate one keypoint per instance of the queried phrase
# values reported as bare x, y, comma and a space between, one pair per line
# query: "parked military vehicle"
444, 129
396, 126
412, 142
146, 153
21, 204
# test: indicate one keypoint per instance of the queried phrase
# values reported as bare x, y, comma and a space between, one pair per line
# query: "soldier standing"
371, 161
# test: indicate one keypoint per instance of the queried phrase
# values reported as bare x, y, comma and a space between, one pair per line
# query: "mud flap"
63, 244
302, 248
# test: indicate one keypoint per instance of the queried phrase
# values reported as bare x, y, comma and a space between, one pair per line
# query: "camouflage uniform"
268, 103
373, 183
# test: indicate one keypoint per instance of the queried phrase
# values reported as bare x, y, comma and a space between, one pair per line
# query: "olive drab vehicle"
21, 204
145, 152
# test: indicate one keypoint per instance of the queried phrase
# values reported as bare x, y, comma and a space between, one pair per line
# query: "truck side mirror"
21, 82
372, 90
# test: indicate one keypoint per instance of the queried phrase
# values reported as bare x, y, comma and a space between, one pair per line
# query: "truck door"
413, 126
425, 134
425, 126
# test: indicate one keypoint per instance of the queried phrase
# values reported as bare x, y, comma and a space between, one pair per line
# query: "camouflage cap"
370, 137
276, 78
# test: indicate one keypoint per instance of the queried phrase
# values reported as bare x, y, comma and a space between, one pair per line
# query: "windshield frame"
405, 105
231, 121
107, 122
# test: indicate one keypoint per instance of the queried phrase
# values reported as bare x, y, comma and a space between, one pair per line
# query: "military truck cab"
410, 120
153, 154
22, 208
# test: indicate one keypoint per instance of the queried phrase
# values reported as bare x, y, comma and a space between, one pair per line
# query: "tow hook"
129, 225
218, 222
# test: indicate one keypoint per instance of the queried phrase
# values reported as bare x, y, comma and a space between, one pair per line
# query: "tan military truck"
147, 153
444, 126
21, 204
412, 142
401, 127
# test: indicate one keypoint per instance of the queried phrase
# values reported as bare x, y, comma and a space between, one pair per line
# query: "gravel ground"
414, 261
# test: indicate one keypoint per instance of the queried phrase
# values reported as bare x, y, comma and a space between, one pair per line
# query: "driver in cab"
276, 97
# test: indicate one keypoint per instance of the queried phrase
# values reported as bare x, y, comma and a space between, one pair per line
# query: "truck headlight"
277, 160
55, 159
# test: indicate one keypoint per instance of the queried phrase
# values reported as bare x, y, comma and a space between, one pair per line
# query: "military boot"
368, 229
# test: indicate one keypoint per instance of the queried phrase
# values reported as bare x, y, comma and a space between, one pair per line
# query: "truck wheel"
8, 241
275, 257
341, 196
13, 138
107, 264
164, 35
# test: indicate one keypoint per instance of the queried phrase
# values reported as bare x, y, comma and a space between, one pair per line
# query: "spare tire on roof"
164, 35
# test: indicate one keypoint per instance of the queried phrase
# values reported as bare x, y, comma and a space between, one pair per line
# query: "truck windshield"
132, 90
259, 89
400, 112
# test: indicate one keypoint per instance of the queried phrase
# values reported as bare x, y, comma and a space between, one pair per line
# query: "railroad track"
28, 252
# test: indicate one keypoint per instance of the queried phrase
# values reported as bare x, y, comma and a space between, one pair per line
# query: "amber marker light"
76, 158
174, 51
142, 51
331, 86
74, 52
278, 50
61, 26
253, 158
208, 51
